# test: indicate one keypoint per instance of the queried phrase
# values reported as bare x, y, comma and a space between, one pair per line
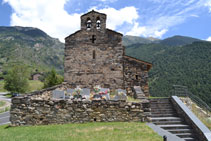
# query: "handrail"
183, 91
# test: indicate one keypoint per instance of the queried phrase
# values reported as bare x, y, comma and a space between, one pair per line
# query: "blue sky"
145, 18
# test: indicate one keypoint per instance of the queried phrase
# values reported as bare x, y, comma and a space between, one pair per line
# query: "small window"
98, 23
88, 24
93, 54
136, 77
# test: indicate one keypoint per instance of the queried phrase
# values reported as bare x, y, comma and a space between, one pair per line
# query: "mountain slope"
30, 46
178, 41
129, 40
187, 65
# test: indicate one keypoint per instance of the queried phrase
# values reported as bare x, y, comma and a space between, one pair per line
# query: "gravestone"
86, 93
58, 94
70, 91
106, 95
138, 90
121, 97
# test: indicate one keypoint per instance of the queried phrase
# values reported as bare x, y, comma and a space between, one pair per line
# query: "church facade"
94, 55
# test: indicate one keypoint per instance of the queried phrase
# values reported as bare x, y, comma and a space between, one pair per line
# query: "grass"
131, 99
35, 85
2, 87
202, 116
110, 131
5, 109
2, 103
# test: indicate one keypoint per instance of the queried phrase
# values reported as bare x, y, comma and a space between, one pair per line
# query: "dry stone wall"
135, 74
27, 111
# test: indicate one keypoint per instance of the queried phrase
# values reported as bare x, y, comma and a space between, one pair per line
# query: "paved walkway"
161, 132
4, 118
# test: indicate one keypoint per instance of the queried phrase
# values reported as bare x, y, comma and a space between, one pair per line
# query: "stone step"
176, 131
189, 139
185, 135
160, 102
163, 115
161, 106
175, 126
168, 122
154, 119
162, 110
159, 99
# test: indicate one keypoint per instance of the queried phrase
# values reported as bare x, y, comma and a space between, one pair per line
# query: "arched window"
98, 23
88, 24
93, 54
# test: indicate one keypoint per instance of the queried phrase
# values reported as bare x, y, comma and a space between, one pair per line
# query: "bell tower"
93, 21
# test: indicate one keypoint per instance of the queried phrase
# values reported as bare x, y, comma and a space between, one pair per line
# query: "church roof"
93, 12
114, 31
149, 65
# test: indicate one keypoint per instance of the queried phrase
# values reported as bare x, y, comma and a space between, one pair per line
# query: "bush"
53, 79
16, 80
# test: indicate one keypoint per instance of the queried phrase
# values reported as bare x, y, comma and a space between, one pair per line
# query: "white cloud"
48, 16
209, 39
208, 4
147, 31
116, 18
193, 15
111, 1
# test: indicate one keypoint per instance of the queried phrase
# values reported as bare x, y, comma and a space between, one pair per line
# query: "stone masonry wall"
27, 111
135, 74
105, 70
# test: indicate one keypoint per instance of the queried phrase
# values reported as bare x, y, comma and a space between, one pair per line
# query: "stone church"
94, 55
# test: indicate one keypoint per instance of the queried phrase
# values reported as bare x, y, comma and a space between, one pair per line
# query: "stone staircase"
164, 116
138, 93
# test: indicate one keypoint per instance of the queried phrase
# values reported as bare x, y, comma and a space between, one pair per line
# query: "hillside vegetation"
29, 46
188, 65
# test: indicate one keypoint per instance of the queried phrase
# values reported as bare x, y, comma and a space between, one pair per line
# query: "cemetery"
76, 106
98, 79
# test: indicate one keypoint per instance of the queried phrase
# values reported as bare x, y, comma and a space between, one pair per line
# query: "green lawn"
112, 131
35, 85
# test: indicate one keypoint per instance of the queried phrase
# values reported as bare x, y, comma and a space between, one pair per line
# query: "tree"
16, 79
53, 79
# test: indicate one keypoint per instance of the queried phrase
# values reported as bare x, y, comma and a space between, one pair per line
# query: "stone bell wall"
135, 74
29, 111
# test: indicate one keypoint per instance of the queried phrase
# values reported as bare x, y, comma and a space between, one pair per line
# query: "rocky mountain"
30, 46
178, 41
129, 40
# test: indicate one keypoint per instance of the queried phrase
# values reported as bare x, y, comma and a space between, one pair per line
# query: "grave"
121, 95
58, 94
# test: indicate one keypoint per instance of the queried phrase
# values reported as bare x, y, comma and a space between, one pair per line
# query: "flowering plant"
78, 90
121, 94
105, 92
97, 89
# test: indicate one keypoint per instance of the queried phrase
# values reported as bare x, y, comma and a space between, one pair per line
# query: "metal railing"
182, 91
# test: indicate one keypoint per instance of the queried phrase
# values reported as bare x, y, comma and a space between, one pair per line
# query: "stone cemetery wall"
30, 111
135, 74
